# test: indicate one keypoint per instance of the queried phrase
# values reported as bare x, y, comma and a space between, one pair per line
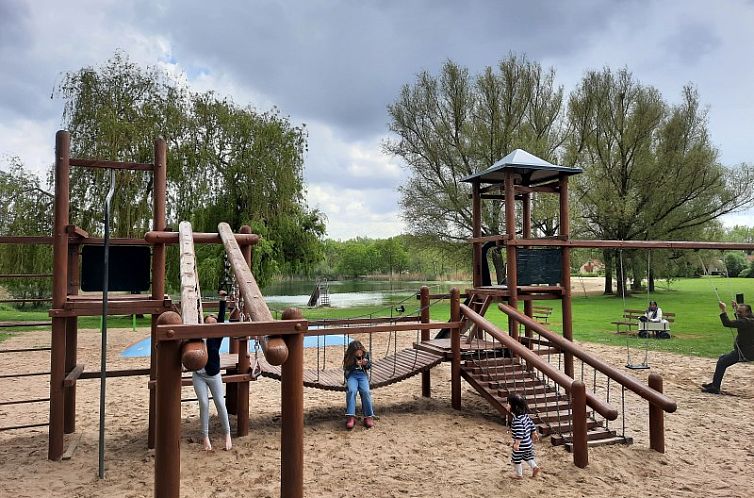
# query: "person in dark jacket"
356, 363
743, 345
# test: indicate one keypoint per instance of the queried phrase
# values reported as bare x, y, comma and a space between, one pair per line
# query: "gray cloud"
344, 62
692, 41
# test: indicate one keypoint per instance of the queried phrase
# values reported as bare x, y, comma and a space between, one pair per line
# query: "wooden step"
602, 442
565, 427
596, 434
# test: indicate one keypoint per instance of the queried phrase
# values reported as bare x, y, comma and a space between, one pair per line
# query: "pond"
350, 293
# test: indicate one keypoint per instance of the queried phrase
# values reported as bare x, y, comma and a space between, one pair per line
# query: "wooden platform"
442, 346
385, 371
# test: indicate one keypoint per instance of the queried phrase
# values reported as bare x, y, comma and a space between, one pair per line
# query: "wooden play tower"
514, 179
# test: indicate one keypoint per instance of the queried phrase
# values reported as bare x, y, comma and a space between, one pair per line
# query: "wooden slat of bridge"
385, 371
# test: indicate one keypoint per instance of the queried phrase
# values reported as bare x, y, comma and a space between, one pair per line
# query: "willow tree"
25, 210
650, 170
453, 124
225, 162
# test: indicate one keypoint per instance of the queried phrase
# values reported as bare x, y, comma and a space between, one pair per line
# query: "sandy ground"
419, 447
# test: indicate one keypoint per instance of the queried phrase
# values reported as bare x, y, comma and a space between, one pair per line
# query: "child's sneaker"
368, 422
350, 422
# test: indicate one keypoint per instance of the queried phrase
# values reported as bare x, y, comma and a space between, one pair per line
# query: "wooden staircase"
495, 377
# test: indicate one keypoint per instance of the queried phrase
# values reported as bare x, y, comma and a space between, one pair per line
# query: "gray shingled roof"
528, 169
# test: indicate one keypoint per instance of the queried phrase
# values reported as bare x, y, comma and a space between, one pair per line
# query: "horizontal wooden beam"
129, 372
73, 375
243, 239
21, 276
25, 240
505, 240
94, 308
232, 329
98, 163
388, 327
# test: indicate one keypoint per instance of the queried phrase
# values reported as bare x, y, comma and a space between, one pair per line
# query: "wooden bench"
541, 313
631, 319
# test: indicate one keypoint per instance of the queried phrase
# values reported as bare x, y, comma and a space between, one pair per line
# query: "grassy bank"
696, 330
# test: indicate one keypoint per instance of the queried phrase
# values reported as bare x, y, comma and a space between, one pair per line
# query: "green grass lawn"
696, 331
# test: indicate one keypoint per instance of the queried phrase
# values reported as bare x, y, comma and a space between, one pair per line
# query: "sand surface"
419, 448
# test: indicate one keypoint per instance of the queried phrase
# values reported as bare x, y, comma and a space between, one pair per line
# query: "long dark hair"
349, 359
518, 404
653, 311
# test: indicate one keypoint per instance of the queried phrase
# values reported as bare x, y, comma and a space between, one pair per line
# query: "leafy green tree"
225, 162
650, 170
735, 262
452, 125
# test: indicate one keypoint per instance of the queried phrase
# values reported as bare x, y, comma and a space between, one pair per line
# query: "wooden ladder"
480, 304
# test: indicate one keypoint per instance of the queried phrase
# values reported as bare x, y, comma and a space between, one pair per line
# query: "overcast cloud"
336, 65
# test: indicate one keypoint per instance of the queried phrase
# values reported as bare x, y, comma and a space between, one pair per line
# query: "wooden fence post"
656, 418
578, 415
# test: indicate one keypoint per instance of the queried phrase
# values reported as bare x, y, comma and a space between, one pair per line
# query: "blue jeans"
723, 363
358, 380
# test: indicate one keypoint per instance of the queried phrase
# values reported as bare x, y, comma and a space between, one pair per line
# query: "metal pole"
103, 351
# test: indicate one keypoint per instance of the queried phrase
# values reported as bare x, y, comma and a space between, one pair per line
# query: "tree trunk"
620, 280
638, 272
497, 262
608, 257
651, 281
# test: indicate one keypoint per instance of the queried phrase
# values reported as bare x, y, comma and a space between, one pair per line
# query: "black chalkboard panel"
538, 266
130, 268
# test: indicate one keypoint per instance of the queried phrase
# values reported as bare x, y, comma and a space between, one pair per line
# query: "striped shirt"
521, 429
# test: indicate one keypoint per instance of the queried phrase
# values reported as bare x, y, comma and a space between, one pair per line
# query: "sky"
336, 65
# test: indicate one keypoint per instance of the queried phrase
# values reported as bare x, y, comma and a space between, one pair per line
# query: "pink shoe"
368, 422
350, 422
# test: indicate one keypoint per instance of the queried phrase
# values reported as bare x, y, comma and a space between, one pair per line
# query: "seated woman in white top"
653, 314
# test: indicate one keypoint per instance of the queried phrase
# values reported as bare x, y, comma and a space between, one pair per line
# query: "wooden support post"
510, 251
292, 419
455, 345
656, 417
241, 389
71, 341
526, 234
566, 274
424, 317
59, 295
578, 413
159, 223
476, 230
71, 345
167, 457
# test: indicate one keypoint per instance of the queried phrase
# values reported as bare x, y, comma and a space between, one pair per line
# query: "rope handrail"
656, 398
533, 359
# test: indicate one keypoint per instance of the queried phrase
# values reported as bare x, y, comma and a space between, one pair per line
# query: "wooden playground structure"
538, 363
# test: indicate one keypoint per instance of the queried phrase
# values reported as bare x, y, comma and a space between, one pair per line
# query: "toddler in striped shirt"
523, 431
